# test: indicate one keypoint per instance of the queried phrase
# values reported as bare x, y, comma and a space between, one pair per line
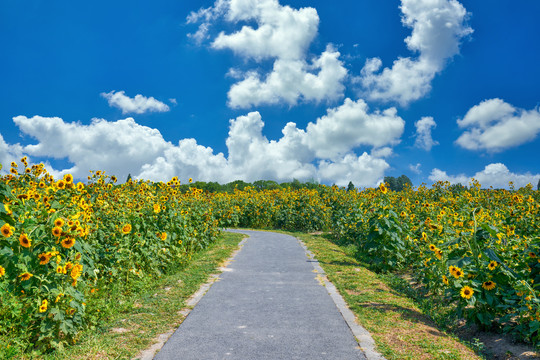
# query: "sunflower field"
61, 243
475, 248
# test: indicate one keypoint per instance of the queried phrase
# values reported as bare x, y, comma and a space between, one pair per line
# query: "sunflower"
163, 236
466, 292
531, 254
492, 265
59, 269
76, 271
57, 231
68, 242
43, 306
489, 285
445, 280
25, 276
59, 222
6, 230
438, 253
68, 178
25, 241
61, 184
458, 273
44, 258
432, 247
2, 271
424, 236
126, 229
157, 208
383, 188
190, 180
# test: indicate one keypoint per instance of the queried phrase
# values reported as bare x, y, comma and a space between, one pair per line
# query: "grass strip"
139, 316
400, 329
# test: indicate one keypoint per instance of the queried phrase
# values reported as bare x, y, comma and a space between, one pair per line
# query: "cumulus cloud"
438, 26
9, 153
290, 81
415, 168
323, 151
282, 35
423, 133
118, 147
363, 170
138, 105
351, 125
494, 125
281, 32
496, 175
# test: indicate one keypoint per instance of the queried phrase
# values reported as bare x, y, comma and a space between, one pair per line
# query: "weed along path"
270, 303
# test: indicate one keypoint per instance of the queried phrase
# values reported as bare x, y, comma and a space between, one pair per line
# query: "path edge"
363, 337
150, 352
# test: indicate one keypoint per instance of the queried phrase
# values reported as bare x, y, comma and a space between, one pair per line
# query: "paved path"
268, 305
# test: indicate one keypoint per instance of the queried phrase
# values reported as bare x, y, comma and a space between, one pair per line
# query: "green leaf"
8, 219
6, 251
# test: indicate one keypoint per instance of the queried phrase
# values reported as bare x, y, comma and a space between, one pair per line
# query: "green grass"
398, 325
135, 316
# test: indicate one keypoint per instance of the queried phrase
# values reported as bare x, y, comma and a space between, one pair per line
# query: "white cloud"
118, 147
124, 147
282, 35
290, 81
438, 27
206, 15
382, 152
496, 175
363, 170
495, 125
351, 125
9, 153
415, 168
138, 105
282, 32
423, 133
187, 159
253, 157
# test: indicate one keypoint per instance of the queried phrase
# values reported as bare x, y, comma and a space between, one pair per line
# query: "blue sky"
268, 89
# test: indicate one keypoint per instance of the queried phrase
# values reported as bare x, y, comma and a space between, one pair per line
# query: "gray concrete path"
268, 305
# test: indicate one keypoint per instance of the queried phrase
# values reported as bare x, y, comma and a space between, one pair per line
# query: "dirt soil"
498, 346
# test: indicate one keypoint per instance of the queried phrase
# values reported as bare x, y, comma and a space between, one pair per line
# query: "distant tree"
456, 188
403, 182
128, 178
294, 185
538, 186
350, 187
311, 184
237, 184
398, 184
265, 185
213, 187
391, 182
